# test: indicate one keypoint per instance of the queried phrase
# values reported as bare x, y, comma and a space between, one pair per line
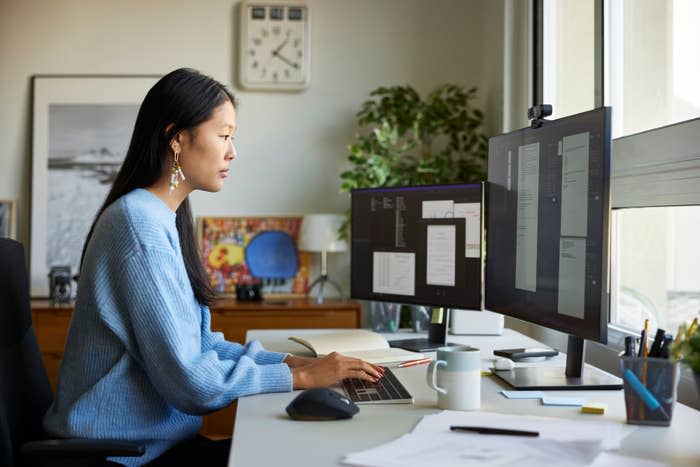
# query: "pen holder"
651, 385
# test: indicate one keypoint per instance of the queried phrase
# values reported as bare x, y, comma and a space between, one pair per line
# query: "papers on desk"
561, 442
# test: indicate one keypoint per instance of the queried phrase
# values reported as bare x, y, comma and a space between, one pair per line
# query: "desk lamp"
319, 234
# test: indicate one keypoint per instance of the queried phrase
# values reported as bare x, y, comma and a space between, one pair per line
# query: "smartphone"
526, 352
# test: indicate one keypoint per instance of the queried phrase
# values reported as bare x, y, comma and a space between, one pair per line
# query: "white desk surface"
265, 436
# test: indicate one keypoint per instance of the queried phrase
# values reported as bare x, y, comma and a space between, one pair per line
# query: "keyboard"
387, 390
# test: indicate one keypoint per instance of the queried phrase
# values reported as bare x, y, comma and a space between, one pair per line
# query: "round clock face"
274, 47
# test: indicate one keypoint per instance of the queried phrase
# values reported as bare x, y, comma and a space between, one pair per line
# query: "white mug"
458, 372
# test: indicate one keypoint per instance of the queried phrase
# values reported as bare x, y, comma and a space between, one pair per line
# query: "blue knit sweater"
141, 362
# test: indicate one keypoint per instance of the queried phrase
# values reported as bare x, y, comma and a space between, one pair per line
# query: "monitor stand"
437, 334
573, 378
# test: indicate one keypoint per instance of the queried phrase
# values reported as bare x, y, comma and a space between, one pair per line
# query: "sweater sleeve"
228, 350
166, 326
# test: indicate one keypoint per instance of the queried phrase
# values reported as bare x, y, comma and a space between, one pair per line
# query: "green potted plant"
407, 140
686, 348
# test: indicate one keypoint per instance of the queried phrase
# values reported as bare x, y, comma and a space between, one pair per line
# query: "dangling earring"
176, 175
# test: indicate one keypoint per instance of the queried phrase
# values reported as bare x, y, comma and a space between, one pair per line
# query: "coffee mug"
458, 373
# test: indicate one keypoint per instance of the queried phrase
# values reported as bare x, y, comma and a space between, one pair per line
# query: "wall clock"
274, 46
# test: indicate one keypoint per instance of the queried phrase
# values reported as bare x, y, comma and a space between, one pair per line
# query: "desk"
265, 436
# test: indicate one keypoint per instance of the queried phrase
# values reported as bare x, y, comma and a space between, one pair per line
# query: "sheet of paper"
441, 209
393, 273
471, 212
440, 255
527, 217
557, 429
523, 394
450, 449
567, 401
609, 459
574, 185
572, 277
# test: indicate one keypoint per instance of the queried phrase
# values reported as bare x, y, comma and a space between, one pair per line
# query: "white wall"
291, 146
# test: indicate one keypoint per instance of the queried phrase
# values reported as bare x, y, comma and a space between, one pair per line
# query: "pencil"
420, 361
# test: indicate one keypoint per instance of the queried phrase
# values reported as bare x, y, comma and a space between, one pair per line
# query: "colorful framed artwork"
81, 129
223, 242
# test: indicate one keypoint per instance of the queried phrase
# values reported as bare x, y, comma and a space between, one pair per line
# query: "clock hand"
286, 60
281, 46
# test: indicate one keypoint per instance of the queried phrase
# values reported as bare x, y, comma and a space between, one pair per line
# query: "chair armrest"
83, 447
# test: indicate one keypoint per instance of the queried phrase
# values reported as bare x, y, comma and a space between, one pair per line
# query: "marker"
495, 431
644, 394
656, 345
419, 361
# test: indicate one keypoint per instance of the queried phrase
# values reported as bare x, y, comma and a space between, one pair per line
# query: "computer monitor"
419, 245
547, 260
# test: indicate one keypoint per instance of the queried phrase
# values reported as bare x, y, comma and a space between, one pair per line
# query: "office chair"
25, 392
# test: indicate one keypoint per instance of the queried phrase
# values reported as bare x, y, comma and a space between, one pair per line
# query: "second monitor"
419, 245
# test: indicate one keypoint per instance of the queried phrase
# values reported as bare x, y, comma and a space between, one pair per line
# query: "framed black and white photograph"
82, 126
8, 219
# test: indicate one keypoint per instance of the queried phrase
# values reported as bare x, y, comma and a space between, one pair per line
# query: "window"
657, 267
649, 75
652, 63
568, 56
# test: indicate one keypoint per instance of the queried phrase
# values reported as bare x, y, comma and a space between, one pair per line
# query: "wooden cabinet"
233, 318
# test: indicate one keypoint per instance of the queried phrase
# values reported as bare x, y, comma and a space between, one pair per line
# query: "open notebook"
358, 343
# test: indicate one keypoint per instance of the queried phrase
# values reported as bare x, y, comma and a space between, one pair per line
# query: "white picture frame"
8, 218
81, 125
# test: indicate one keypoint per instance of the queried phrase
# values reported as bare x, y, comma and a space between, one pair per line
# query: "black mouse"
321, 404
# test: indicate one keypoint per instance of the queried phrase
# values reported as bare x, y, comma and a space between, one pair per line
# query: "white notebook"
359, 343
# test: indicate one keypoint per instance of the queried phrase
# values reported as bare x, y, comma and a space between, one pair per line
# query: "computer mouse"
321, 404
503, 364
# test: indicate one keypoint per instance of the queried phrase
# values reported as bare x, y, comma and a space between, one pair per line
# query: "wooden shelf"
228, 316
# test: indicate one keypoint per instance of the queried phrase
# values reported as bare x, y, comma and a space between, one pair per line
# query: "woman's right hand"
328, 370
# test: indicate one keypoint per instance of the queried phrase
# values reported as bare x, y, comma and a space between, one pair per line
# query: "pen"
658, 340
645, 344
494, 431
420, 361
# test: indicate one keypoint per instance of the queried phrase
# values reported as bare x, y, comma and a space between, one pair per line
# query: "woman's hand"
294, 361
328, 370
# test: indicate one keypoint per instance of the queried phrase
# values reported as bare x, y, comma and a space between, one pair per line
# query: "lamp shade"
319, 232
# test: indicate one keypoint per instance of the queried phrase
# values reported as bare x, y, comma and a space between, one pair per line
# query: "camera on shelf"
60, 284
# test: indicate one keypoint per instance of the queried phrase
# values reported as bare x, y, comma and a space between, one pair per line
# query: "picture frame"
223, 241
8, 218
81, 128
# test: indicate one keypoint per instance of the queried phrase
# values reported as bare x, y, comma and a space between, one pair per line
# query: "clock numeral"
297, 42
255, 64
257, 41
299, 54
287, 73
251, 52
275, 76
264, 32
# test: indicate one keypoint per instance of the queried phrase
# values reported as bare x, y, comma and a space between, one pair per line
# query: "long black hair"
180, 100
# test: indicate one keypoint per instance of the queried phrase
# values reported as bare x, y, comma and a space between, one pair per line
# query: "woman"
140, 361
